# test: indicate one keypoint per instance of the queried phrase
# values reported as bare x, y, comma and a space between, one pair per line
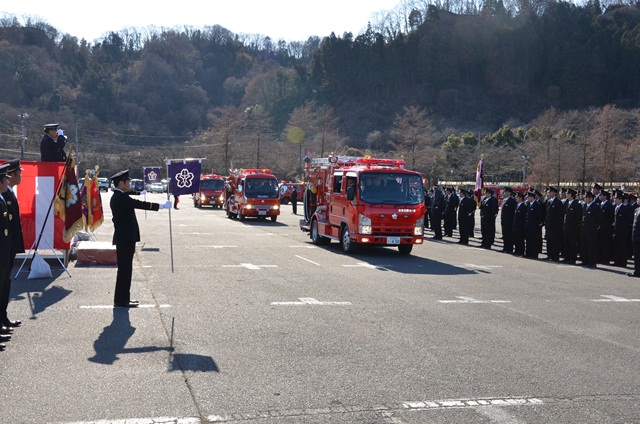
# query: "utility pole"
23, 135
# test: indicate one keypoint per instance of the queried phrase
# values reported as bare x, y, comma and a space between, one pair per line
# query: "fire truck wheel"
274, 218
316, 238
348, 245
285, 200
241, 216
405, 249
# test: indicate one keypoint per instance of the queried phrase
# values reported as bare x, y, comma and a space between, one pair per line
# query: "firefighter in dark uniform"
488, 212
518, 225
635, 238
533, 226
437, 209
622, 223
294, 200
591, 221
5, 244
52, 144
452, 203
466, 210
506, 219
571, 229
553, 224
126, 234
17, 242
605, 232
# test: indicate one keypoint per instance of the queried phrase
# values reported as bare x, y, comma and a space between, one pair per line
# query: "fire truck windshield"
212, 184
390, 188
262, 187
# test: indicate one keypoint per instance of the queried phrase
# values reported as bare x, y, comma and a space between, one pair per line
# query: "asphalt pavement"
248, 322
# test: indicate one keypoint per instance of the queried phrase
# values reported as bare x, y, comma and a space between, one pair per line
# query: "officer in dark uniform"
605, 232
52, 144
466, 210
553, 224
451, 207
533, 226
17, 242
488, 212
126, 234
5, 243
635, 238
507, 213
591, 221
437, 209
518, 225
294, 200
623, 221
571, 229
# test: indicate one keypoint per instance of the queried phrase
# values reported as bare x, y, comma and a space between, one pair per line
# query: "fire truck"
211, 191
363, 201
286, 192
252, 193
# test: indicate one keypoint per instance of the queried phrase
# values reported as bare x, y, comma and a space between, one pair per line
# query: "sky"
291, 20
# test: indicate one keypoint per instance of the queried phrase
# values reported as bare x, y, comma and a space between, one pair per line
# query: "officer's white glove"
60, 132
143, 192
166, 205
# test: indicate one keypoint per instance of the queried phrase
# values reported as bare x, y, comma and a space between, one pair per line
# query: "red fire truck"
363, 201
211, 191
252, 193
286, 191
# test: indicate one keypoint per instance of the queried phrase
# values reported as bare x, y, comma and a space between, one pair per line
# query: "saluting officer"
17, 242
5, 243
571, 229
126, 234
52, 144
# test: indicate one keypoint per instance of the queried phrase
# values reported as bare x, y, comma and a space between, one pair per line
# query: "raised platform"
96, 253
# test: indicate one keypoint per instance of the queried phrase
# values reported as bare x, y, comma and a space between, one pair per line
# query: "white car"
155, 188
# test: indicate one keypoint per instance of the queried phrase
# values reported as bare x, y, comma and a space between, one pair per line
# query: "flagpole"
167, 162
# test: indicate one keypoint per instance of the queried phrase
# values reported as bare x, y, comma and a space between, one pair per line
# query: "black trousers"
636, 258
294, 206
589, 249
570, 246
124, 255
5, 290
507, 238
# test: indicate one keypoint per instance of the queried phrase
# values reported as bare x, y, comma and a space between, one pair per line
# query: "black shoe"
9, 323
127, 305
2, 347
4, 338
633, 274
6, 330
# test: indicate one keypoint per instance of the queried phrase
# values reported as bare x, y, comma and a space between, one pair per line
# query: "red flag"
479, 181
68, 204
94, 205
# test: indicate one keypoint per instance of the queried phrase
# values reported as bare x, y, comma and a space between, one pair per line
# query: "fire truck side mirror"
351, 193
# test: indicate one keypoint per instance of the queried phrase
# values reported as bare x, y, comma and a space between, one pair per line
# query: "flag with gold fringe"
68, 205
94, 203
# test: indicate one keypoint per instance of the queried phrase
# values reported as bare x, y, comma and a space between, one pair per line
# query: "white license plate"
262, 212
393, 240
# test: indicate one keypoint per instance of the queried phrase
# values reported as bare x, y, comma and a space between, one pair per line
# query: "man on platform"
126, 234
52, 144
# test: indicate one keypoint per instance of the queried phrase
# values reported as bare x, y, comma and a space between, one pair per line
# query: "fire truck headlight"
418, 230
248, 206
275, 207
221, 197
203, 197
364, 224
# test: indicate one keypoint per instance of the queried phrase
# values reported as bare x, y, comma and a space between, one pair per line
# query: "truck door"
337, 200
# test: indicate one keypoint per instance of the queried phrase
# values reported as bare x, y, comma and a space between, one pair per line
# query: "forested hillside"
545, 90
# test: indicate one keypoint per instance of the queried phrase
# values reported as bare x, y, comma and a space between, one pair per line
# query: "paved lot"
268, 328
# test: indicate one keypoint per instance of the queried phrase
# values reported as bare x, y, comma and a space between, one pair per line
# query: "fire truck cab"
363, 201
252, 193
211, 191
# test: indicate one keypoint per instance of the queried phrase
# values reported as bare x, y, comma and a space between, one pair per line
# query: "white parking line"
466, 299
305, 259
610, 298
310, 301
250, 266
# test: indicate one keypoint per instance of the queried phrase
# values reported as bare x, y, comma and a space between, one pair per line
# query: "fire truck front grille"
392, 230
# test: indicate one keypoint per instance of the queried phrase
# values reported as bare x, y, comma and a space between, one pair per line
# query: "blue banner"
184, 177
151, 175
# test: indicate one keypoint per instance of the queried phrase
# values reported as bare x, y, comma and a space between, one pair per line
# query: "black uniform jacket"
15, 227
124, 216
573, 217
591, 219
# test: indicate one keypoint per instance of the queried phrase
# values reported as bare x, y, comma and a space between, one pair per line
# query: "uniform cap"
572, 192
48, 127
4, 170
552, 189
509, 189
489, 190
120, 176
589, 194
14, 165
598, 186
